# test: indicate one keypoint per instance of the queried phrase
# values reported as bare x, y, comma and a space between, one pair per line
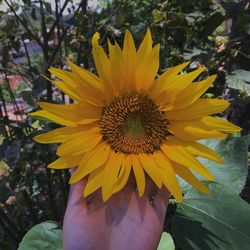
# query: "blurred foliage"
45, 235
207, 32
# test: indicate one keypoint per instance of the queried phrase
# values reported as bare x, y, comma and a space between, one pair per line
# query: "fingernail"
71, 170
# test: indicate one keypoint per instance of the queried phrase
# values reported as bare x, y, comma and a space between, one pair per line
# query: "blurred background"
38, 34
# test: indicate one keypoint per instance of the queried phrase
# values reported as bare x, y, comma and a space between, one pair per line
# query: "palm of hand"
125, 221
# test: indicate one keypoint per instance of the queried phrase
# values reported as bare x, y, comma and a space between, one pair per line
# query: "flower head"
128, 120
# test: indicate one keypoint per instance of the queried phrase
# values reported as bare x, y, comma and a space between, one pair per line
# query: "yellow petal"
59, 135
66, 162
193, 130
145, 47
189, 177
179, 154
64, 75
111, 174
102, 63
94, 182
117, 65
80, 143
87, 76
54, 118
69, 85
124, 174
73, 112
191, 93
91, 84
184, 80
148, 163
129, 52
139, 175
87, 121
220, 124
175, 85
91, 161
129, 49
67, 89
161, 83
201, 107
143, 54
168, 175
149, 70
197, 149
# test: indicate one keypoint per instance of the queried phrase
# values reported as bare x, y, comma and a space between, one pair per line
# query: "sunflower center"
133, 124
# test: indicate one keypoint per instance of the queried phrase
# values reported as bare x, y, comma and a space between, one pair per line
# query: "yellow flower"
128, 120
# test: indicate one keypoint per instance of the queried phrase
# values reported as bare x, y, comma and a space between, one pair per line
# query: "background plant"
211, 33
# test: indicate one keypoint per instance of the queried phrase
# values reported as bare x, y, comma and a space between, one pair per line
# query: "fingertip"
160, 202
76, 191
150, 189
72, 170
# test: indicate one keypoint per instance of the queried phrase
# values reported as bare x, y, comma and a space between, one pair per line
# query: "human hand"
125, 221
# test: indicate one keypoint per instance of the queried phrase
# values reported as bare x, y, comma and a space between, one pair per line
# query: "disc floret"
133, 124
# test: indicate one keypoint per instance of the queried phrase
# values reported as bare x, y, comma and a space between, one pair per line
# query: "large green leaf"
166, 242
46, 235
220, 220
217, 221
233, 171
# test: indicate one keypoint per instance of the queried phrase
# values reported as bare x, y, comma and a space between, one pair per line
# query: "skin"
125, 221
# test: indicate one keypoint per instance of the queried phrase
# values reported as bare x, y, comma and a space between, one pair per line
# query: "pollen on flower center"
133, 124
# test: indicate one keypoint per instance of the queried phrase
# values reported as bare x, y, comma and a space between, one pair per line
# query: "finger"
160, 202
95, 198
131, 181
76, 191
150, 188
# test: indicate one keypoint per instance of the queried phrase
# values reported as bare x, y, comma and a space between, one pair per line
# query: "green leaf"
166, 242
158, 16
198, 55
220, 220
239, 80
46, 235
233, 171
217, 221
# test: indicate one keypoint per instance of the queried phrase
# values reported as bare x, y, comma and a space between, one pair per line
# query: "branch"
8, 230
62, 36
24, 25
245, 55
58, 18
112, 14
44, 29
5, 218
58, 24
28, 56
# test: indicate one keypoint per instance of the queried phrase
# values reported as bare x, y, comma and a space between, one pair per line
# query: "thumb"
76, 191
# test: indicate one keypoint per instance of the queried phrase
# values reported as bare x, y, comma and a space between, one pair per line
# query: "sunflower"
126, 119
